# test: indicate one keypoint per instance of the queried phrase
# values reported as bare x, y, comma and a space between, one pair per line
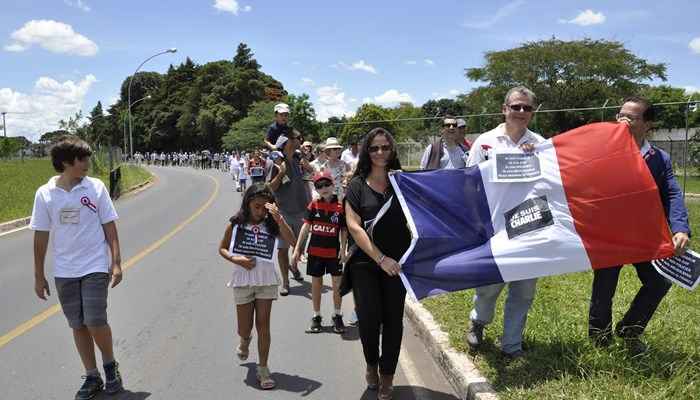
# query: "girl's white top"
254, 241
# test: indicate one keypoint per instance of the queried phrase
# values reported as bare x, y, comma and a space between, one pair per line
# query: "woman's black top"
391, 234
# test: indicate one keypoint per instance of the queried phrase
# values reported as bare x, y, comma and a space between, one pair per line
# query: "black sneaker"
338, 325
475, 334
91, 387
296, 275
315, 324
113, 379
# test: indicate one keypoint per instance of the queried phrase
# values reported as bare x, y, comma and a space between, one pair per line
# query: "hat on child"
322, 175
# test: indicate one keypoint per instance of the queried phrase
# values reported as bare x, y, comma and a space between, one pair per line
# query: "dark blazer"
659, 163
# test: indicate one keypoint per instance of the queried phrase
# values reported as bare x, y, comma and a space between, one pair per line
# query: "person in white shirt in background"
351, 154
447, 152
517, 108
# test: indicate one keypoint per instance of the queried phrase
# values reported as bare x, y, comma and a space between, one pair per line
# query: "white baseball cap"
281, 108
461, 123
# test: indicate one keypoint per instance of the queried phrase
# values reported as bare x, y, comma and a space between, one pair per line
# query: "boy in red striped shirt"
325, 219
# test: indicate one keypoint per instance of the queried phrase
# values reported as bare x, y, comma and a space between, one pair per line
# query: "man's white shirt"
75, 221
498, 139
452, 158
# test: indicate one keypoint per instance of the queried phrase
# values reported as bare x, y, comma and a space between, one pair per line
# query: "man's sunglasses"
520, 107
323, 184
385, 148
449, 125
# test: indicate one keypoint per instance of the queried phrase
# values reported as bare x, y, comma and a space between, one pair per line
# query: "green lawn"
560, 361
19, 181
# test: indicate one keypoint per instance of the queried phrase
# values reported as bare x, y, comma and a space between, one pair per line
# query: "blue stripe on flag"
452, 230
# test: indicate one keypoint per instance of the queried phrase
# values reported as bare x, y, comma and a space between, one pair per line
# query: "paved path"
173, 318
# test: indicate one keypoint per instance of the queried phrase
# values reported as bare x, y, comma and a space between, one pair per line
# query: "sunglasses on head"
385, 148
323, 184
520, 107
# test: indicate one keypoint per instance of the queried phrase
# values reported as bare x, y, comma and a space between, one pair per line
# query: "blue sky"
60, 56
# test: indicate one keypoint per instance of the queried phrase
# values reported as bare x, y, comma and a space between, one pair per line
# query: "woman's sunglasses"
385, 148
323, 184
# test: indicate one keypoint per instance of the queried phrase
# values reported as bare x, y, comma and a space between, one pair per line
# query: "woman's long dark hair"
243, 216
364, 163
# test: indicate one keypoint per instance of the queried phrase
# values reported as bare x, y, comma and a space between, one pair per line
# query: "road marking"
44, 315
411, 373
14, 230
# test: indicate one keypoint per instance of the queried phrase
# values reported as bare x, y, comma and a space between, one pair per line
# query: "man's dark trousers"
654, 288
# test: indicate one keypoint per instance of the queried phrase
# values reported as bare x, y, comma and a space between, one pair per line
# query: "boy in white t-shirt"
78, 212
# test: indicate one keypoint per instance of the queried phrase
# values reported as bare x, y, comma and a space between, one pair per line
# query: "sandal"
264, 379
242, 350
372, 378
386, 387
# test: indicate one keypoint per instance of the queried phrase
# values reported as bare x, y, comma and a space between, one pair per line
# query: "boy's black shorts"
318, 266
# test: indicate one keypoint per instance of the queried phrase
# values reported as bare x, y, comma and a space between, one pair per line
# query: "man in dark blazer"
638, 113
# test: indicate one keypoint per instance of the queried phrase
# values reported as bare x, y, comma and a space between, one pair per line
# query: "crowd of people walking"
319, 202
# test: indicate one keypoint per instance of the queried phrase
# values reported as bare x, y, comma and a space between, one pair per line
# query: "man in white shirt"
517, 108
448, 151
351, 154
79, 214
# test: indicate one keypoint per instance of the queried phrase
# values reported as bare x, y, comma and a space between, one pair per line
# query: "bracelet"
381, 260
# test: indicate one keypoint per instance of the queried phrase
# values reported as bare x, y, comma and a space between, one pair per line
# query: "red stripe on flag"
612, 196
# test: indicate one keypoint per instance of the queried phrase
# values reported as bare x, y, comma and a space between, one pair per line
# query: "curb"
21, 223
459, 370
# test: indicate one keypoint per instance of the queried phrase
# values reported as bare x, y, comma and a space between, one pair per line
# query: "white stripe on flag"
554, 249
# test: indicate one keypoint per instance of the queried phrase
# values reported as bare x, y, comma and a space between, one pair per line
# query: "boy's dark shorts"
84, 299
318, 266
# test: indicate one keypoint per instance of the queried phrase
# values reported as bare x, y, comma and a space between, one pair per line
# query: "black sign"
683, 270
530, 215
254, 242
515, 167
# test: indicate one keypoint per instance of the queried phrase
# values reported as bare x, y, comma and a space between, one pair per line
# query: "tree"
244, 58
49, 138
98, 126
302, 116
248, 133
567, 74
356, 127
413, 126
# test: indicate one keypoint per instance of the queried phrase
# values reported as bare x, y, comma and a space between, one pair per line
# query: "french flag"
595, 205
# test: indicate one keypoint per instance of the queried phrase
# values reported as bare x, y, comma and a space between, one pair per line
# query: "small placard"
254, 242
516, 167
683, 270
530, 215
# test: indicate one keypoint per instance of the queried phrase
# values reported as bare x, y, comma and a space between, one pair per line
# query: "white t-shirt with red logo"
75, 221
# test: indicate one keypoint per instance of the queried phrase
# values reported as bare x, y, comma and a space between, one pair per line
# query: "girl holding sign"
250, 243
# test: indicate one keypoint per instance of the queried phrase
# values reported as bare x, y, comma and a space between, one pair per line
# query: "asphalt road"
173, 318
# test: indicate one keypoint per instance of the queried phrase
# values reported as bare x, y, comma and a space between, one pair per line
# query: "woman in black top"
377, 289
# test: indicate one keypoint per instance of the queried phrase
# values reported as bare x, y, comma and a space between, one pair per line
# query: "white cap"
281, 108
461, 123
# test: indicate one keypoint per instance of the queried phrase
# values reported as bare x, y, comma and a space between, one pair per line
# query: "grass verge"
19, 180
562, 364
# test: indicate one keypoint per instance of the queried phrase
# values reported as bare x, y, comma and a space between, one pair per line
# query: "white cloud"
49, 102
454, 92
352, 100
585, 18
503, 12
695, 45
230, 6
429, 61
53, 36
393, 96
331, 103
411, 62
691, 89
308, 82
367, 100
247, 9
356, 66
78, 4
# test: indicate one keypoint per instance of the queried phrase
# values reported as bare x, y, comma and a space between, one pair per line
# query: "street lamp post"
143, 98
131, 137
